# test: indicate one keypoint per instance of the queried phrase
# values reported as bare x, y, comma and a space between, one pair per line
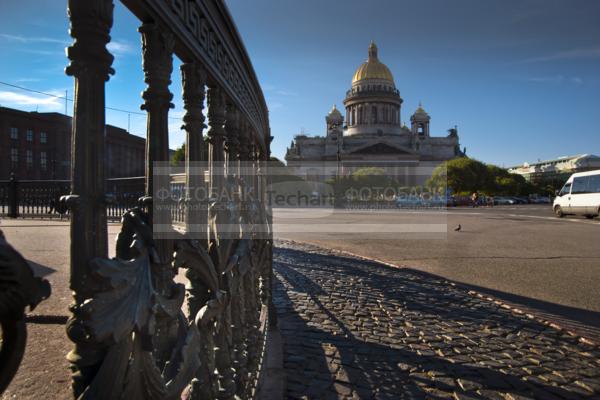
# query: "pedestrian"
474, 199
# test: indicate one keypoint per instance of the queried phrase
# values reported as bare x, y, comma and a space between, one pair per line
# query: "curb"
273, 386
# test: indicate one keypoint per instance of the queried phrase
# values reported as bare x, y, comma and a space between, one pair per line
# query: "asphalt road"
520, 254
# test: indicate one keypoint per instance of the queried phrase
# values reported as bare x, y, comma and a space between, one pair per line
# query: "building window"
29, 159
14, 133
29, 136
43, 137
14, 157
43, 161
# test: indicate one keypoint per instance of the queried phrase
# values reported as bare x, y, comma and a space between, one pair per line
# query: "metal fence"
41, 199
132, 338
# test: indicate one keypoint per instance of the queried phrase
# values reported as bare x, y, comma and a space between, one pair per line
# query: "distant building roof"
560, 164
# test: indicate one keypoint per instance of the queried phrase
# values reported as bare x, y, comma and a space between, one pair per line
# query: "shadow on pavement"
577, 318
344, 335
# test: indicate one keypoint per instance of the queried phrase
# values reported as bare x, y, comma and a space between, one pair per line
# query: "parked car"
409, 202
520, 200
540, 200
580, 195
503, 201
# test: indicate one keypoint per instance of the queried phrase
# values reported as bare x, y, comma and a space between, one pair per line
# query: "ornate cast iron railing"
132, 339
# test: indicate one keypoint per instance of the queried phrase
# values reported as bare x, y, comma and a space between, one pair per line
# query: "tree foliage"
466, 175
179, 155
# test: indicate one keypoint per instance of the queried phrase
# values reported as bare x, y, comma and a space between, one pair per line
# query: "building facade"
557, 170
37, 146
373, 133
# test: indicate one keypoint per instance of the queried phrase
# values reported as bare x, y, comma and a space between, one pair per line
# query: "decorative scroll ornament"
122, 314
18, 289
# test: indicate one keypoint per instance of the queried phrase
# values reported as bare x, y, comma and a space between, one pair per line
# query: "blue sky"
520, 78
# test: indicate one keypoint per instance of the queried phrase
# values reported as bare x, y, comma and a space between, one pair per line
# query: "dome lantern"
372, 51
373, 69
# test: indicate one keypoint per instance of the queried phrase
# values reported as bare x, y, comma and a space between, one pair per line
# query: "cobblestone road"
358, 329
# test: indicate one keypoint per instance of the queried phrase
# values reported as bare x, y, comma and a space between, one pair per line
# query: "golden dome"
335, 111
372, 68
420, 114
421, 110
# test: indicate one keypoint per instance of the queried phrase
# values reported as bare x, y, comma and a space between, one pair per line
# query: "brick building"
37, 146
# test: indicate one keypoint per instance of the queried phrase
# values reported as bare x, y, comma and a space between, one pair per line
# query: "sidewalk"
358, 329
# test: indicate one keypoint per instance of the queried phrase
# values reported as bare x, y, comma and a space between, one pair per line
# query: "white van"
580, 195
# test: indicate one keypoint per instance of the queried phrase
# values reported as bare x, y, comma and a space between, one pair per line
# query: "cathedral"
373, 134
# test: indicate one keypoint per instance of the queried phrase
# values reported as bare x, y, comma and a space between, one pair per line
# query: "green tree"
179, 155
370, 177
462, 175
465, 175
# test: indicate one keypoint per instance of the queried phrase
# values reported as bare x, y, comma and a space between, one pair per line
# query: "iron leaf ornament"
122, 314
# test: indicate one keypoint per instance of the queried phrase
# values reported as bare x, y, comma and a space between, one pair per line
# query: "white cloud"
32, 39
547, 79
274, 105
43, 52
118, 48
22, 80
556, 79
274, 90
285, 93
8, 98
577, 80
572, 54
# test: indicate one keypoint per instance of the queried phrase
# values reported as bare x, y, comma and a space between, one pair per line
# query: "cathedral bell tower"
419, 122
335, 123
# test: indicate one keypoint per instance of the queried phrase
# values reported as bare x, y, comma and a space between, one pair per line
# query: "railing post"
232, 140
244, 156
216, 136
217, 117
245, 285
193, 78
13, 197
157, 59
90, 65
264, 174
193, 75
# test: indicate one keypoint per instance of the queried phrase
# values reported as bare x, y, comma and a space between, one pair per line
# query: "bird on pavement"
458, 228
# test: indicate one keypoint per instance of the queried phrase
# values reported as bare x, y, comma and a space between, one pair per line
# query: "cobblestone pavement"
359, 329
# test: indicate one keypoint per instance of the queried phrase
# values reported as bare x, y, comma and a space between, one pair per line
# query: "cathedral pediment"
380, 148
